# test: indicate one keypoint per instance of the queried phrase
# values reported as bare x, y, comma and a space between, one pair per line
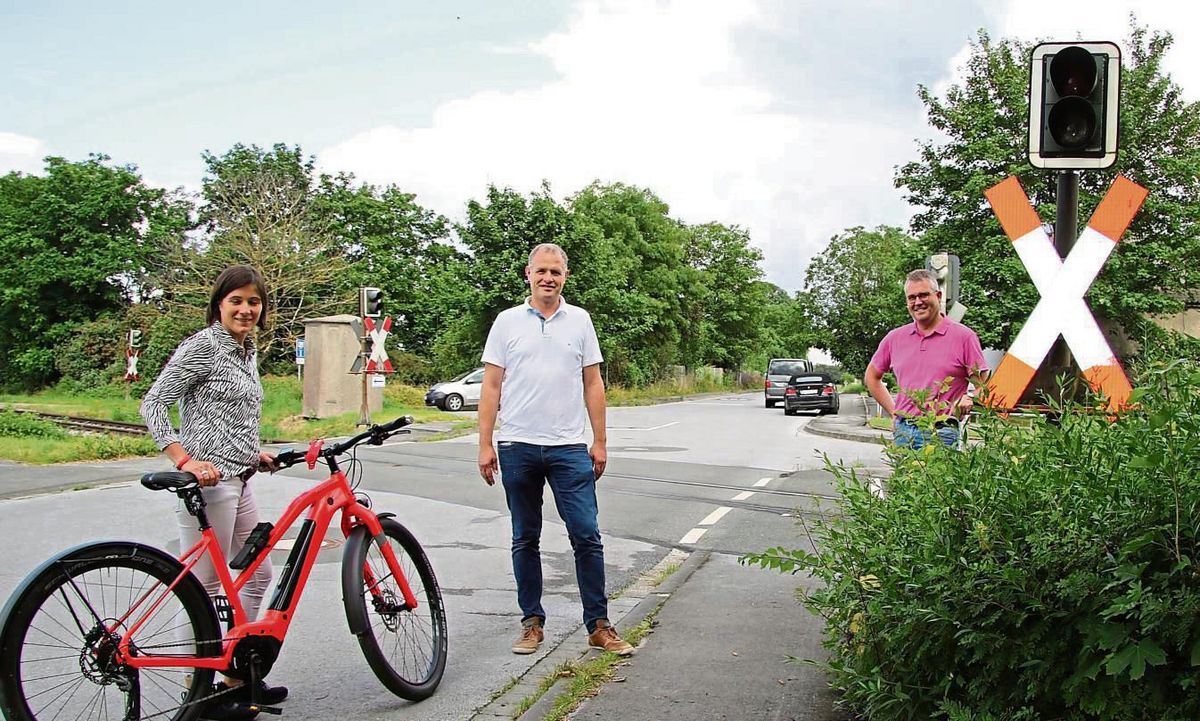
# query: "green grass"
281, 420
618, 396
587, 677
35, 450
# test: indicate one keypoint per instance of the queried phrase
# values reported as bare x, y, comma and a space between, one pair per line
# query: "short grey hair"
554, 247
925, 275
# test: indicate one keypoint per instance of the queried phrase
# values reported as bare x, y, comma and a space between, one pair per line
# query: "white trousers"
232, 514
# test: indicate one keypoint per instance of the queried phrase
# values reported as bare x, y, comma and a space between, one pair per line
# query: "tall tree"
75, 244
856, 286
395, 244
983, 126
640, 328
726, 307
258, 209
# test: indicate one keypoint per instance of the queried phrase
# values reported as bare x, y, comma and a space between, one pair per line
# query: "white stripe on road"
743, 496
651, 428
715, 516
693, 535
762, 482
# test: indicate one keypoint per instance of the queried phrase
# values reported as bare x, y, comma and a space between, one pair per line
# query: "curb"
862, 434
505, 705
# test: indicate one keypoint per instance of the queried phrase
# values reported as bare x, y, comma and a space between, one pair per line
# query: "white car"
458, 393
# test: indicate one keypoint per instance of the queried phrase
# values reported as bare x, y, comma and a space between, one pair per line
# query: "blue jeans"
524, 470
906, 434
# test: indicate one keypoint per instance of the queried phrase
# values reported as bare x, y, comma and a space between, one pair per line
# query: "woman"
213, 375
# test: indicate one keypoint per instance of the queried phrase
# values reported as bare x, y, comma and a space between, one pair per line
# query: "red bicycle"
117, 629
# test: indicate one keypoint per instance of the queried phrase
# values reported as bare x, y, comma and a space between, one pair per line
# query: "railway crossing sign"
378, 361
1062, 284
131, 359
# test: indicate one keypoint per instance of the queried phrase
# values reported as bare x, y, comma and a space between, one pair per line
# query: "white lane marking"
693, 535
743, 496
762, 482
715, 516
650, 428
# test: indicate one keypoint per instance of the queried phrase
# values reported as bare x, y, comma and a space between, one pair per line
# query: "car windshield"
459, 377
787, 367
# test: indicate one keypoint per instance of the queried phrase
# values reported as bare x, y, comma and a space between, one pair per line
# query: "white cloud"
654, 94
1109, 20
20, 153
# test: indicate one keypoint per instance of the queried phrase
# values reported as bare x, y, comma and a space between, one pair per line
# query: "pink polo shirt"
940, 362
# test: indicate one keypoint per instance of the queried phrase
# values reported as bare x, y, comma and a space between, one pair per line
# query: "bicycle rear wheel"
60, 630
405, 647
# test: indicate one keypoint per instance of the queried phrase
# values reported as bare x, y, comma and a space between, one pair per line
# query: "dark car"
811, 391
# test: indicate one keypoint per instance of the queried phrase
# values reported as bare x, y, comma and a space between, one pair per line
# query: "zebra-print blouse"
220, 396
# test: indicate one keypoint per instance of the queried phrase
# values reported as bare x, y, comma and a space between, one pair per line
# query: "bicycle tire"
405, 648
55, 657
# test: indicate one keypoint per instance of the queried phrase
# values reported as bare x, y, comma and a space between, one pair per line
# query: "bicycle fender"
354, 542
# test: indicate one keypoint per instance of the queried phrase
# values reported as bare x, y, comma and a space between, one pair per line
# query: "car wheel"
789, 411
453, 402
770, 404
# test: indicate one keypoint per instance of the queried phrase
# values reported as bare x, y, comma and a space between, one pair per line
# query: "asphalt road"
719, 473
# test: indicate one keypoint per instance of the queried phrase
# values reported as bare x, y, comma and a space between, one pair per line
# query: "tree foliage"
76, 243
856, 287
982, 123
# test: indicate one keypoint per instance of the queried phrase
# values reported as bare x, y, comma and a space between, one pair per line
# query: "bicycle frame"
323, 502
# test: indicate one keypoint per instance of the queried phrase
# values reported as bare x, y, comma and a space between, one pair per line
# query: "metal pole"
1066, 223
364, 416
1066, 230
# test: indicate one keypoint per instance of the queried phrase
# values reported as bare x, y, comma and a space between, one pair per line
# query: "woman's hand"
266, 462
205, 472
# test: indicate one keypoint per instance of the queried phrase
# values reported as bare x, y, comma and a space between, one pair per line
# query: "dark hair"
230, 279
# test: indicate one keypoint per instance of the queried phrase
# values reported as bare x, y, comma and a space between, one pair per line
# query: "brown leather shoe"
531, 636
605, 638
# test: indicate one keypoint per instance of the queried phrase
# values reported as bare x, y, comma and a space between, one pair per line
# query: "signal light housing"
1074, 105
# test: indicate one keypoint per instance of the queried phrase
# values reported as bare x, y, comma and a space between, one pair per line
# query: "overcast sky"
786, 118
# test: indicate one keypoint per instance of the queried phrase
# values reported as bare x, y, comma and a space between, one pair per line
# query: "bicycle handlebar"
375, 435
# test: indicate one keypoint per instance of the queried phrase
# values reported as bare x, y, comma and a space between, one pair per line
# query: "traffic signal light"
135, 339
1074, 94
945, 267
370, 302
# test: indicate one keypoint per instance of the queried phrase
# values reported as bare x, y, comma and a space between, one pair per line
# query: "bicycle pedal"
266, 709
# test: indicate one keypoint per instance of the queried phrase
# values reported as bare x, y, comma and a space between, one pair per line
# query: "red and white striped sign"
378, 361
131, 359
1062, 284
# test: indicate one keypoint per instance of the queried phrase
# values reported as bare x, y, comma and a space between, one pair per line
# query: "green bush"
23, 425
1048, 572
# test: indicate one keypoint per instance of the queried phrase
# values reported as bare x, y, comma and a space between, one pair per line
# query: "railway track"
90, 425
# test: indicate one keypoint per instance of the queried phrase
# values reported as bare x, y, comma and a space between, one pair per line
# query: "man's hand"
488, 465
965, 404
599, 454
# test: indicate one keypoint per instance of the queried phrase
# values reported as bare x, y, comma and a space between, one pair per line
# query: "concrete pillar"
331, 346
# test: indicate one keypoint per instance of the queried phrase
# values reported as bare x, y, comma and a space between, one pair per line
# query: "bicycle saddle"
168, 480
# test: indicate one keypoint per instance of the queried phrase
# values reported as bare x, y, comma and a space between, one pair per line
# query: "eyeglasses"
913, 298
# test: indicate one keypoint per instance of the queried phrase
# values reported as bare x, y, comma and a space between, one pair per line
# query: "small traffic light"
370, 302
1074, 98
945, 267
135, 339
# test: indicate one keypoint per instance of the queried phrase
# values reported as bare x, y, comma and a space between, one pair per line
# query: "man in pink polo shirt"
933, 358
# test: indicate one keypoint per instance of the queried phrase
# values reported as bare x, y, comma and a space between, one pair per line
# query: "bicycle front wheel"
405, 647
60, 631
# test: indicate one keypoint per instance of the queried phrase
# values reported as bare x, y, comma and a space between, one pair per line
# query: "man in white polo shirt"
542, 358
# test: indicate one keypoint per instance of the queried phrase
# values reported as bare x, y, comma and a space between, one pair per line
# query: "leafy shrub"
1049, 572
23, 425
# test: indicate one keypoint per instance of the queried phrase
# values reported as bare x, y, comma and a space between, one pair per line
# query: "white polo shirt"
541, 397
